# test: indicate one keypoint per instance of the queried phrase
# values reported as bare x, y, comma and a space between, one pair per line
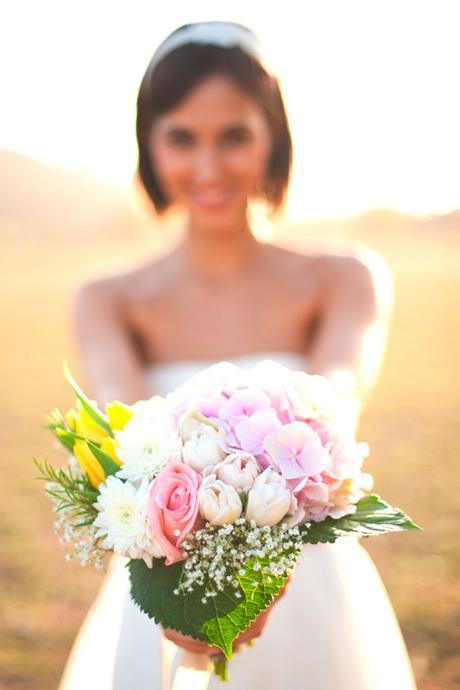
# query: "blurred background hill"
43, 202
56, 227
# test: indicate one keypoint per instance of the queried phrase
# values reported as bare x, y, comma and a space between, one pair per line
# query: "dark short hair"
170, 80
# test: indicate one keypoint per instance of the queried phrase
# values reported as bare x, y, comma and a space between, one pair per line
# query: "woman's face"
211, 151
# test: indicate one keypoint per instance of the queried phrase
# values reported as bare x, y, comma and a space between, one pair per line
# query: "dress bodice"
164, 377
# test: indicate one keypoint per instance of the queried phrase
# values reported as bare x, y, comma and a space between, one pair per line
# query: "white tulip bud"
191, 420
204, 447
219, 502
239, 469
269, 499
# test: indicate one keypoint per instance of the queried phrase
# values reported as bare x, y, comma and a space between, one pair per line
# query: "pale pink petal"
252, 431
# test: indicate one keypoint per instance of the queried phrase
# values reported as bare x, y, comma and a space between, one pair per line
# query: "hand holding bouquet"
211, 492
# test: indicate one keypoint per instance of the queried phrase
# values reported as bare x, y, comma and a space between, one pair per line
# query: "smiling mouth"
212, 200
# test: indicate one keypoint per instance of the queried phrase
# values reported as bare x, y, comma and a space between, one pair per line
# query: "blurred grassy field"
411, 423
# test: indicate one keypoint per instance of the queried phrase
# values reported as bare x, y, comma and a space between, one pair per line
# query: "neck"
219, 253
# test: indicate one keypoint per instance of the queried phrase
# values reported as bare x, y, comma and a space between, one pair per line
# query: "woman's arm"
112, 364
354, 321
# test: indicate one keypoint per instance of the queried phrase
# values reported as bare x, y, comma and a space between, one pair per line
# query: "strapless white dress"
334, 629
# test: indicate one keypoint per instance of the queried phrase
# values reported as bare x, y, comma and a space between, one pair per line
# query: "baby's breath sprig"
79, 541
217, 556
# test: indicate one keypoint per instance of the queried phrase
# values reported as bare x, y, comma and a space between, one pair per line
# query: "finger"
196, 647
188, 643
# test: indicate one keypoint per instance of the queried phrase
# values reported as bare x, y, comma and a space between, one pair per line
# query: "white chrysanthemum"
154, 408
122, 520
146, 444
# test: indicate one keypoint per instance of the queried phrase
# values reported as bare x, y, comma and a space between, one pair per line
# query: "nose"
208, 165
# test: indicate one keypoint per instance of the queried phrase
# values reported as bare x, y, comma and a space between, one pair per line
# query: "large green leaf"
153, 591
108, 465
373, 516
233, 615
219, 620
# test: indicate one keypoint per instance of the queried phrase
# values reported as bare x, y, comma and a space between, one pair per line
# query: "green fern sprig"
71, 491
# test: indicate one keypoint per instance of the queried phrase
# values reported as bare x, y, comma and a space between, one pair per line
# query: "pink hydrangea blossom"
243, 403
208, 406
283, 420
295, 450
328, 496
250, 433
249, 417
346, 456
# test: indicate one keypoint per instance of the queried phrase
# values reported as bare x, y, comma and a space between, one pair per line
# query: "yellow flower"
109, 445
89, 464
84, 425
119, 414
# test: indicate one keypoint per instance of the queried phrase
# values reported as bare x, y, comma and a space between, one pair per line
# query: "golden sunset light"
261, 364
370, 89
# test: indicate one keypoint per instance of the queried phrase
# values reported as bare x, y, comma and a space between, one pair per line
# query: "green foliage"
373, 516
62, 431
67, 437
108, 464
88, 404
217, 620
71, 491
220, 666
220, 619
58, 427
233, 615
56, 419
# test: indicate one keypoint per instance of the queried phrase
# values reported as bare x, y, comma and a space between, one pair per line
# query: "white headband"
224, 34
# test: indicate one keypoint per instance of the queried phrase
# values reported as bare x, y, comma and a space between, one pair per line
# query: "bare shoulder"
293, 265
363, 276
344, 273
337, 262
118, 288
359, 263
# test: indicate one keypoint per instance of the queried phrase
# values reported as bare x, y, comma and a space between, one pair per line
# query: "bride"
213, 135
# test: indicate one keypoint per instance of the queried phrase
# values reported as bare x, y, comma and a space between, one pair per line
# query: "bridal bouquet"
211, 491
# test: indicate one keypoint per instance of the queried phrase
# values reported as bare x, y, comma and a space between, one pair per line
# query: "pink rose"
172, 508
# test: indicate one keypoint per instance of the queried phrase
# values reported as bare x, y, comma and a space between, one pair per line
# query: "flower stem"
220, 667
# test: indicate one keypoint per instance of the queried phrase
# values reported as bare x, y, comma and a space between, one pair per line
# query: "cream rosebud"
269, 499
190, 421
219, 502
204, 447
239, 469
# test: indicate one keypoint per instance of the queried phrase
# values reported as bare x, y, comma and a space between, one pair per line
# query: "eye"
179, 137
237, 135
